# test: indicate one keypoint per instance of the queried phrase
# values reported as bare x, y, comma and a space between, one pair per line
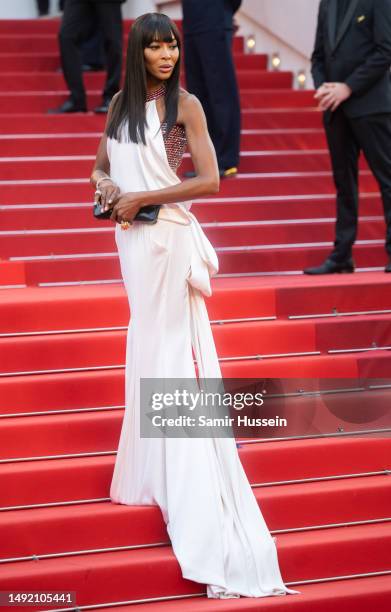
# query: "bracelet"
103, 178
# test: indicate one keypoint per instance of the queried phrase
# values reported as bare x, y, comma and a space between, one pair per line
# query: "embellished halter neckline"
157, 93
175, 140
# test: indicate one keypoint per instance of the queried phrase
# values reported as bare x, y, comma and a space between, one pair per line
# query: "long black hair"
129, 105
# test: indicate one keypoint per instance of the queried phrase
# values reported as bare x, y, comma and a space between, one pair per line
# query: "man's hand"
331, 95
126, 207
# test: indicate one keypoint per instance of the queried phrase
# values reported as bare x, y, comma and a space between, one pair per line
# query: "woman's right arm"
100, 176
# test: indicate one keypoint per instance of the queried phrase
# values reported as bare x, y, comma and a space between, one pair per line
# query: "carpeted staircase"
63, 320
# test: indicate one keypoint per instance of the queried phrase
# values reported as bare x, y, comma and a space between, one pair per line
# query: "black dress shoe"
67, 107
388, 267
104, 107
332, 267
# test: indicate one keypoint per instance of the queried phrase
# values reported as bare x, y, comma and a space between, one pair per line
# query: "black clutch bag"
147, 214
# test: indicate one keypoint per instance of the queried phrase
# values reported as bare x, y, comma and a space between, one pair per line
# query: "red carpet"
62, 353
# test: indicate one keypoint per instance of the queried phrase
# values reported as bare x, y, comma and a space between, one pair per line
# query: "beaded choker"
156, 93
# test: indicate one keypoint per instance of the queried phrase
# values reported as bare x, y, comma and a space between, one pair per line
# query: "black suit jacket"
358, 54
208, 15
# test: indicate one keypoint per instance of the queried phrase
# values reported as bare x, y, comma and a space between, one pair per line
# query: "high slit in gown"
216, 528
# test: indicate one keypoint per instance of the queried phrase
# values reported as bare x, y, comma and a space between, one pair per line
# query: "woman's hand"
126, 207
109, 193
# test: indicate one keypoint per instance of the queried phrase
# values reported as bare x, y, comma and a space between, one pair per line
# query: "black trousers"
210, 75
346, 138
43, 6
79, 18
92, 51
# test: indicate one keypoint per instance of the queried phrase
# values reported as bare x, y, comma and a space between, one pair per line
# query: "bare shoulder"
189, 107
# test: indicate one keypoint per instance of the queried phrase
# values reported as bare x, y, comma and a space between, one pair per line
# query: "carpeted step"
47, 42
40, 102
63, 391
75, 144
29, 26
55, 480
261, 118
27, 243
287, 258
335, 295
107, 348
350, 595
80, 527
354, 333
217, 210
97, 431
12, 273
69, 166
40, 309
50, 62
107, 524
264, 339
272, 259
104, 577
293, 117
280, 140
55, 82
98, 306
39, 191
105, 387
379, 368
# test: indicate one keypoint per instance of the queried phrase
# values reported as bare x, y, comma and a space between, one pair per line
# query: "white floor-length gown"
218, 533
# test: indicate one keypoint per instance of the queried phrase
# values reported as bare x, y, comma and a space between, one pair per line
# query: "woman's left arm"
206, 181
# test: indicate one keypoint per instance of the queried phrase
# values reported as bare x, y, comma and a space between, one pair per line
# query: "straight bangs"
159, 30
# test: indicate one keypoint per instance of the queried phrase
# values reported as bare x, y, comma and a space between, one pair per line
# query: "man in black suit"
76, 27
351, 70
210, 74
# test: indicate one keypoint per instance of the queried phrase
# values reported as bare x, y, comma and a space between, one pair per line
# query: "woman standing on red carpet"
217, 531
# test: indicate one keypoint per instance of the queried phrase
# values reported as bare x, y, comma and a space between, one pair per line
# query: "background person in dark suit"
351, 70
210, 73
76, 27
